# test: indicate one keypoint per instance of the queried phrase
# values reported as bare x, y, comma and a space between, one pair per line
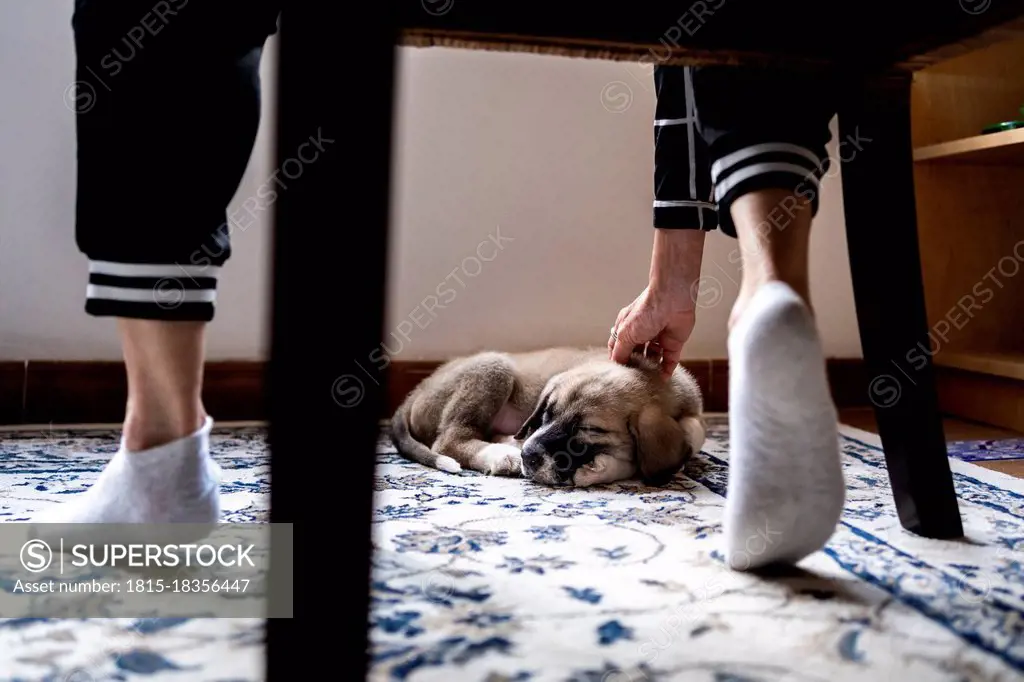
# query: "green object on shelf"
1005, 125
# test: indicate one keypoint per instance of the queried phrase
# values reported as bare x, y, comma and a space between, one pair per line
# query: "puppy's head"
603, 408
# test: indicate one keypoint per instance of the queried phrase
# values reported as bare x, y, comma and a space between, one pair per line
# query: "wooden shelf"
1006, 365
963, 179
997, 149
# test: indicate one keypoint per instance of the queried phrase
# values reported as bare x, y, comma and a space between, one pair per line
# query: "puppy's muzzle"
532, 457
541, 466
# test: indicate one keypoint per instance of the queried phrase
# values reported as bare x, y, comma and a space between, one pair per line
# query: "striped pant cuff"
685, 215
151, 291
772, 165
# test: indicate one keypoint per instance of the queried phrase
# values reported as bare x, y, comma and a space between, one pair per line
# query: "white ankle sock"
786, 490
177, 482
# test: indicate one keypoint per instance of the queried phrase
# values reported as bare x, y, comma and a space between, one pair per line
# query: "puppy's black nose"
532, 457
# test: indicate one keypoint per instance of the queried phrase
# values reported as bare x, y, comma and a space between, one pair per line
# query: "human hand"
661, 319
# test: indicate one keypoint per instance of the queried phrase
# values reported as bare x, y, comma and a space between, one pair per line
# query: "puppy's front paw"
589, 474
603, 469
500, 459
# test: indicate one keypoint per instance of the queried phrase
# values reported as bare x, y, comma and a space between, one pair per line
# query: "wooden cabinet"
970, 207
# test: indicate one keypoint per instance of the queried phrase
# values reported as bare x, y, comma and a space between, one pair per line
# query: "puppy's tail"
412, 449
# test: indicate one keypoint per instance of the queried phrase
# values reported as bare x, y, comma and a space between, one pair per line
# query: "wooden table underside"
905, 38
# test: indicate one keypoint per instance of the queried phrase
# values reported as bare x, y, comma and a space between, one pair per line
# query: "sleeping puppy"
563, 416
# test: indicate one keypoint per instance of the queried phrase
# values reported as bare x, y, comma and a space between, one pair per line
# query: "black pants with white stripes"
722, 132
167, 106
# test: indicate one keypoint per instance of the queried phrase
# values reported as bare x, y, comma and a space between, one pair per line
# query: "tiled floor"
956, 429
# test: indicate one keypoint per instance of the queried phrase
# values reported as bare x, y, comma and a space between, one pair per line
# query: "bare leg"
164, 362
772, 252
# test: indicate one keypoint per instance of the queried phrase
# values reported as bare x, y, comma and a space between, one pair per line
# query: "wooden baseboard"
45, 392
985, 398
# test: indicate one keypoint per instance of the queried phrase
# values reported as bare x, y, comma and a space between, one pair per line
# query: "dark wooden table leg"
881, 228
331, 193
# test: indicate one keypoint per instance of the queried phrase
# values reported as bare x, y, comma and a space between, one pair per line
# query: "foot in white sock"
786, 489
174, 483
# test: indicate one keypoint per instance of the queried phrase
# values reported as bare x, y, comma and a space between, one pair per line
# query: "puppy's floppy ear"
660, 443
534, 421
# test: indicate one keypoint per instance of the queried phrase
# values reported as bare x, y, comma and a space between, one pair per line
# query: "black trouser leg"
881, 229
167, 107
723, 132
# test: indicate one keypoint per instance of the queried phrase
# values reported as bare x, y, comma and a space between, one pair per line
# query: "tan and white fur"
563, 416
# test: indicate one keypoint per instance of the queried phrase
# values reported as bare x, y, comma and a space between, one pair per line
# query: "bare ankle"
749, 288
772, 251
801, 286
146, 428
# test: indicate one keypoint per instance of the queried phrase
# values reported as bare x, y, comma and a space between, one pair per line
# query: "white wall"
485, 141
528, 143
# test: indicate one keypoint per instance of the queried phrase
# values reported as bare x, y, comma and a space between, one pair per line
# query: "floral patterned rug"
39, 469
498, 580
